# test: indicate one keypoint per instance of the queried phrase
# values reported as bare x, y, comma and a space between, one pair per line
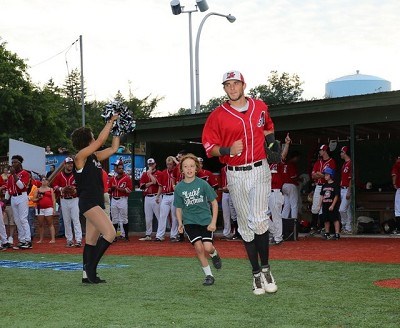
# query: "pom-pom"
125, 122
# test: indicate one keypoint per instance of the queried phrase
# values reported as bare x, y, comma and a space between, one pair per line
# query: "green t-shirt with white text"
193, 199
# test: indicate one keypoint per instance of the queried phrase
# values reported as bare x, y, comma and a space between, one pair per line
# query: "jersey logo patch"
261, 120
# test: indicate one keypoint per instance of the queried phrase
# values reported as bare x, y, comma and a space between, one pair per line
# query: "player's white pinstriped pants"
275, 203
20, 208
315, 201
397, 203
250, 191
119, 210
290, 207
345, 210
70, 213
166, 207
3, 232
150, 207
228, 213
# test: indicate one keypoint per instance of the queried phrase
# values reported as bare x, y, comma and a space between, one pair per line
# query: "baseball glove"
274, 152
69, 191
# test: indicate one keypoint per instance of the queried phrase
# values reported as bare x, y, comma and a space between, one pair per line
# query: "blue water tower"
356, 84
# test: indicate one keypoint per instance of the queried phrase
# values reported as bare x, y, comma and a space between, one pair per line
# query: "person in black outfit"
330, 195
100, 232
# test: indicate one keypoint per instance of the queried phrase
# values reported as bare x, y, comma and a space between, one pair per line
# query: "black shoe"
216, 261
336, 236
276, 243
158, 239
98, 281
327, 236
208, 281
6, 245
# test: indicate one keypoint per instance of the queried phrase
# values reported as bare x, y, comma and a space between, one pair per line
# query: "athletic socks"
93, 258
207, 270
252, 254
262, 245
126, 229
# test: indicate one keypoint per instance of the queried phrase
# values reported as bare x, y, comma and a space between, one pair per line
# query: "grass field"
167, 292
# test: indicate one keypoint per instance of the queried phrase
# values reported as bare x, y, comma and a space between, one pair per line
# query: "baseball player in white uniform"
345, 191
235, 132
228, 210
120, 186
149, 184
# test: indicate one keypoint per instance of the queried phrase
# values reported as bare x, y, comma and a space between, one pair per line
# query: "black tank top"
90, 181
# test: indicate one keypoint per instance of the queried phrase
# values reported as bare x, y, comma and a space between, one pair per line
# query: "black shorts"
85, 204
330, 216
196, 232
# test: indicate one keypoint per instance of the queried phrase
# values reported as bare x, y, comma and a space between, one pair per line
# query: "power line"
57, 54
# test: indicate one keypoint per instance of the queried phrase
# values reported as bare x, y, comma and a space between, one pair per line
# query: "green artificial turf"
168, 292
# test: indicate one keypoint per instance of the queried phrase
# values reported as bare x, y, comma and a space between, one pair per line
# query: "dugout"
369, 124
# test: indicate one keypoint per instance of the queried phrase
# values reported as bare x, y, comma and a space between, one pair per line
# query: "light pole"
231, 19
176, 10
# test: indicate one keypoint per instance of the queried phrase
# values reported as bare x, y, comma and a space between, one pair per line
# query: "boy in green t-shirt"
191, 199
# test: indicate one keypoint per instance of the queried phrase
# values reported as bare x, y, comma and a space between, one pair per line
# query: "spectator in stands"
52, 169
48, 151
345, 191
396, 185
46, 207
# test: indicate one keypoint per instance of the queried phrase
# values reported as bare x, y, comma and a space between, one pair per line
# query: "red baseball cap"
324, 148
344, 149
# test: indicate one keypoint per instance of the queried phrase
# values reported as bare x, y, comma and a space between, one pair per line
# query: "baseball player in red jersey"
207, 175
165, 197
289, 189
120, 186
17, 185
235, 132
396, 185
276, 199
149, 184
345, 191
64, 183
320, 165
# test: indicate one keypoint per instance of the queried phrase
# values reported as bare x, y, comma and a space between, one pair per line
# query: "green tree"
280, 89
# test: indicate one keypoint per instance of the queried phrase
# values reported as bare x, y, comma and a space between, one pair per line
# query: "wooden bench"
377, 205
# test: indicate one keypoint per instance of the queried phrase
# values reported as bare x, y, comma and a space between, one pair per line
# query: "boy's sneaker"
216, 261
336, 236
69, 244
208, 281
26, 245
19, 245
327, 236
6, 245
268, 280
145, 238
78, 244
258, 288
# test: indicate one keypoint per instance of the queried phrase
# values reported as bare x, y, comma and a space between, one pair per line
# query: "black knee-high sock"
91, 265
88, 253
252, 254
262, 245
314, 221
126, 229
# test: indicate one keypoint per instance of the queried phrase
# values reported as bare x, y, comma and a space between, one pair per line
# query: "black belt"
225, 192
276, 190
320, 184
17, 194
169, 194
116, 198
151, 195
344, 187
244, 168
68, 197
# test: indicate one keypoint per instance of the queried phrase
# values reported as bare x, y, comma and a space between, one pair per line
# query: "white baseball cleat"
257, 284
268, 280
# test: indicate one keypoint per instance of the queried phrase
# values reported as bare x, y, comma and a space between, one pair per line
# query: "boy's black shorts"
196, 232
330, 216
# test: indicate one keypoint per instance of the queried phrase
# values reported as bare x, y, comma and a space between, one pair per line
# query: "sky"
140, 47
